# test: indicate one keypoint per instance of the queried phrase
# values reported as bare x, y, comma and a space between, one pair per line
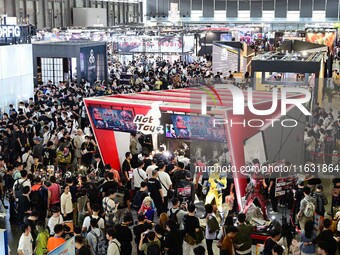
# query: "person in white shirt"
24, 181
95, 215
55, 219
209, 237
114, 244
27, 158
166, 184
25, 246
150, 168
139, 175
66, 204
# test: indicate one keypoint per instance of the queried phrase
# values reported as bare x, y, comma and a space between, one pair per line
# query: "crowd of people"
322, 137
50, 166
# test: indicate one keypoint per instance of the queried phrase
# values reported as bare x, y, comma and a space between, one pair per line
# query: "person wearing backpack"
110, 208
123, 199
152, 246
86, 227
39, 198
140, 195
24, 205
176, 213
307, 208
19, 184
96, 239
321, 201
211, 228
114, 245
27, 159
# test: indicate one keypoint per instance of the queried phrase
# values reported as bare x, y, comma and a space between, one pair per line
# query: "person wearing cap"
25, 246
78, 140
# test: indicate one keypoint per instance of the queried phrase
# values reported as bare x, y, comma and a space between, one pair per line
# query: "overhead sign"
9, 31
150, 123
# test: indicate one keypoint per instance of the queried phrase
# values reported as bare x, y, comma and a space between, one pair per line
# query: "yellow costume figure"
217, 182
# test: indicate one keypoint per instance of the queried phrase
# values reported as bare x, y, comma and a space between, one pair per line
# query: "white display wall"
16, 75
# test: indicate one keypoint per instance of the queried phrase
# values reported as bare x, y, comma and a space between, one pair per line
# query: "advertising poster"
67, 248
111, 119
164, 44
327, 38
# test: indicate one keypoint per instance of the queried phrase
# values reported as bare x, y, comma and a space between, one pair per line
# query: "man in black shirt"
126, 168
191, 225
326, 235
124, 235
98, 165
179, 173
156, 193
109, 184
142, 226
49, 154
81, 247
271, 242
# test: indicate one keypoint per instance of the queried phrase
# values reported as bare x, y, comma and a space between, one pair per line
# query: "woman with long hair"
307, 237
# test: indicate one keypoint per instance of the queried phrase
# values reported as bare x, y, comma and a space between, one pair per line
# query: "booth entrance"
112, 118
59, 61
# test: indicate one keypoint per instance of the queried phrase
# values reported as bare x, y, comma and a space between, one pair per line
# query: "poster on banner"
283, 184
67, 248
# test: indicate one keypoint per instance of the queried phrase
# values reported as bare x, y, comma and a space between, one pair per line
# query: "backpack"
137, 200
153, 249
213, 225
36, 198
173, 216
309, 210
120, 194
320, 208
101, 248
93, 194
18, 188
89, 229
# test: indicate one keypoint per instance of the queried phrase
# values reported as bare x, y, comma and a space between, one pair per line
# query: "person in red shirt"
54, 199
56, 240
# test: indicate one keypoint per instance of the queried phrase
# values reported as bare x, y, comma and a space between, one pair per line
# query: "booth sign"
9, 31
149, 123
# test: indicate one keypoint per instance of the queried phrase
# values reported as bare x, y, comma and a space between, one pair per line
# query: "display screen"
195, 128
112, 119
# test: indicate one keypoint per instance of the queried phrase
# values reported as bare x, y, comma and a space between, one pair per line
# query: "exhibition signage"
149, 123
67, 248
9, 31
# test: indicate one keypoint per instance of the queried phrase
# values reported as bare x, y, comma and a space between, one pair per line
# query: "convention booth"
233, 56
181, 115
59, 61
298, 64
